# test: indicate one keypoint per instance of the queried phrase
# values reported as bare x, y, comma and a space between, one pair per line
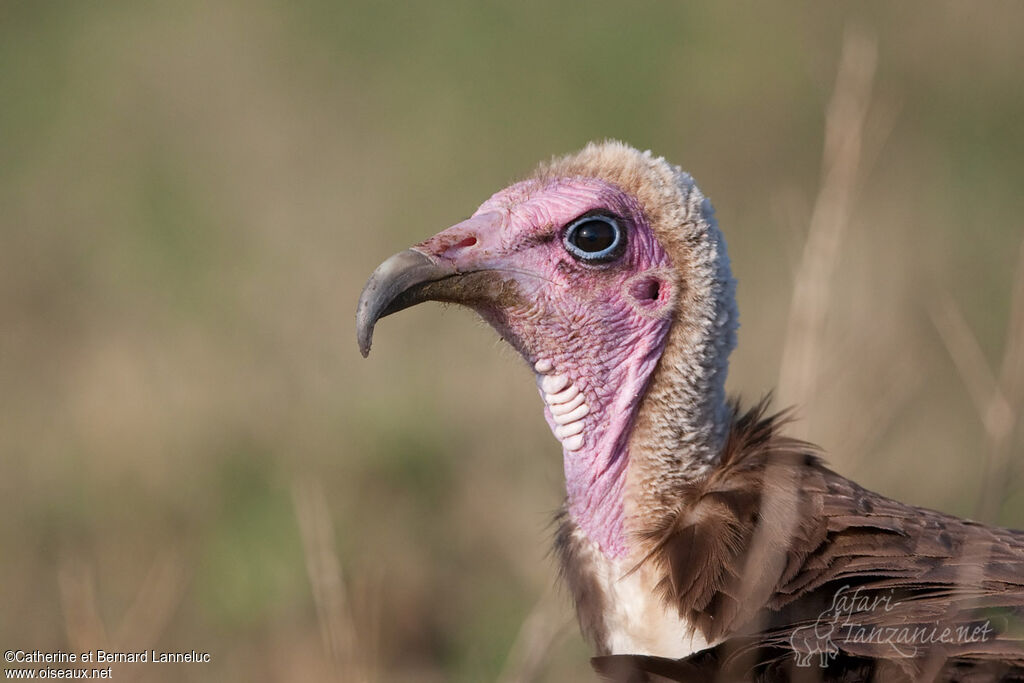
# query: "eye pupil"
594, 236
595, 239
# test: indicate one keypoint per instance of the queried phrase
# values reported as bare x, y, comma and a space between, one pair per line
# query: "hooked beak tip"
364, 344
383, 293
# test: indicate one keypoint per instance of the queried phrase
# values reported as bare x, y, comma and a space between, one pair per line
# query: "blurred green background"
194, 456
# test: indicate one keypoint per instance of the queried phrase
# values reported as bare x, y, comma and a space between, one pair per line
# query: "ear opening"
650, 293
649, 290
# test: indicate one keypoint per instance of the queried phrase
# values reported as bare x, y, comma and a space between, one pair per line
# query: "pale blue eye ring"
594, 239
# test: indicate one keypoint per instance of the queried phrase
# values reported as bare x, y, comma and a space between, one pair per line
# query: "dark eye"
594, 238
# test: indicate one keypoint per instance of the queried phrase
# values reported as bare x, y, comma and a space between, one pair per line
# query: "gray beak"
396, 284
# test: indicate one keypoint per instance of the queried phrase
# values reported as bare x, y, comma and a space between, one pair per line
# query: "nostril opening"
467, 242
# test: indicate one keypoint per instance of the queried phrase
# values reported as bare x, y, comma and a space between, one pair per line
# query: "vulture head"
607, 272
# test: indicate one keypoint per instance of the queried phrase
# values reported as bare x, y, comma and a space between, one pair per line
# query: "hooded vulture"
698, 541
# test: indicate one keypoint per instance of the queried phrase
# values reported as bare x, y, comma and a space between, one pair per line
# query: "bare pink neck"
595, 475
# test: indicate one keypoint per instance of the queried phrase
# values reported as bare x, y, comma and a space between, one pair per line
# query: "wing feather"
772, 539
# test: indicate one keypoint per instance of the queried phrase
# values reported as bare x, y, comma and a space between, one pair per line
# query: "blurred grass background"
192, 194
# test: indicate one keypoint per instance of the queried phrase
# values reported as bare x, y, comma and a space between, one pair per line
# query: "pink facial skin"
604, 326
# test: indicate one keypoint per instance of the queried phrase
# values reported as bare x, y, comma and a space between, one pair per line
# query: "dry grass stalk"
82, 621
996, 397
844, 125
337, 625
541, 631
158, 596
970, 576
841, 160
862, 436
142, 623
1011, 375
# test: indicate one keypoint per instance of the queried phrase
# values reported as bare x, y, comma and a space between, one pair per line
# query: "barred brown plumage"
902, 573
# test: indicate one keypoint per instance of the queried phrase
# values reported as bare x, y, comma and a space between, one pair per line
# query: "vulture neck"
676, 414
683, 419
670, 418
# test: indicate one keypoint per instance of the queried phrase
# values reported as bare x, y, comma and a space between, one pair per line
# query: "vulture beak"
462, 265
398, 283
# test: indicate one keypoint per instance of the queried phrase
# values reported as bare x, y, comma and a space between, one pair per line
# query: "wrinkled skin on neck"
603, 327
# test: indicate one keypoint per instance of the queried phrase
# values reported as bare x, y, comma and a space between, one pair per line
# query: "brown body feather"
768, 541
